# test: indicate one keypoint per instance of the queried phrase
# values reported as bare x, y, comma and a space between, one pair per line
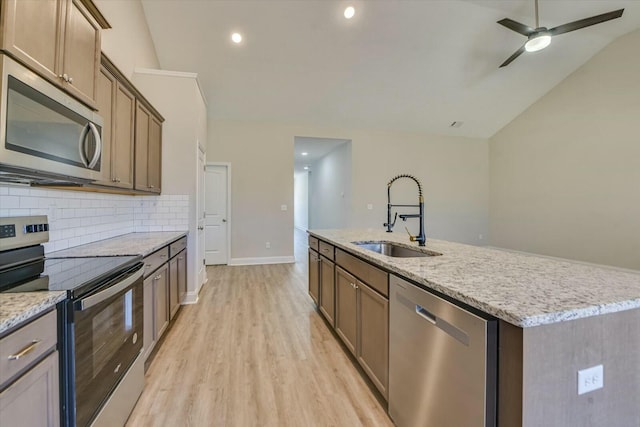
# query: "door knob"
224, 220
200, 228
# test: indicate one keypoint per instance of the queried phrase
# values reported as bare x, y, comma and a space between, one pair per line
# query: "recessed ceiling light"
306, 168
305, 153
236, 37
349, 12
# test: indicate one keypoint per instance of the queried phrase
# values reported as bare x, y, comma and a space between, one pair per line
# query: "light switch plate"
283, 207
590, 379
369, 206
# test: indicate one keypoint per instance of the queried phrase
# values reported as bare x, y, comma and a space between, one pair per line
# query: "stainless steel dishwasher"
442, 361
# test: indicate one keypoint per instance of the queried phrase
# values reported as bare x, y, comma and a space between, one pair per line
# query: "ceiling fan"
540, 37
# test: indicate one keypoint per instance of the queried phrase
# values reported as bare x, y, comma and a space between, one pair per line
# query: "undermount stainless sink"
395, 250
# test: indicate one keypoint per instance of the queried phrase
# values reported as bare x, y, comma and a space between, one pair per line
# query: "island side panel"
509, 375
552, 356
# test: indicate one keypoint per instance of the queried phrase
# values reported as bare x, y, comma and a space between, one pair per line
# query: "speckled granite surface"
524, 290
19, 307
127, 244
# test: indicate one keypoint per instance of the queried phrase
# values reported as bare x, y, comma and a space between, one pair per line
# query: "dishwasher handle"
425, 314
446, 327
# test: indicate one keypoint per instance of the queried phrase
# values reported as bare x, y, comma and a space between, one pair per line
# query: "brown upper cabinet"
148, 159
117, 106
58, 39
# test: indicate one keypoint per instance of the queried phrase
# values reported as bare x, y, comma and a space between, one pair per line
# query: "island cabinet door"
373, 336
314, 276
327, 289
346, 319
148, 336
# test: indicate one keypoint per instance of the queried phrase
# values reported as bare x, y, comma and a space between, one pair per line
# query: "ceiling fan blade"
587, 22
512, 57
525, 30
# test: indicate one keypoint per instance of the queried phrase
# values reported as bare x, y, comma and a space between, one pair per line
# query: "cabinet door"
161, 296
173, 287
182, 276
327, 289
148, 330
154, 160
141, 178
105, 95
373, 336
346, 320
81, 52
33, 400
122, 147
314, 275
33, 33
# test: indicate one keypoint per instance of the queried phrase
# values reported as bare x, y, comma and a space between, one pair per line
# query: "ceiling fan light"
537, 42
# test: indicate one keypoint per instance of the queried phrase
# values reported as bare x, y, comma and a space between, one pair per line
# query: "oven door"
108, 338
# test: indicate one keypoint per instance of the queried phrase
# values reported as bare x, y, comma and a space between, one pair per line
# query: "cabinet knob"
151, 186
70, 80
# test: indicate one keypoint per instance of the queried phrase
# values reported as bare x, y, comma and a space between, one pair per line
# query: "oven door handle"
92, 300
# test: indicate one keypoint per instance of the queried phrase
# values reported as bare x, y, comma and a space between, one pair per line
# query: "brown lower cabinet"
327, 289
358, 311
362, 322
156, 308
314, 276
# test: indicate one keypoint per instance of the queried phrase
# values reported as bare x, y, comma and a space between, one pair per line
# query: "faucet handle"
412, 238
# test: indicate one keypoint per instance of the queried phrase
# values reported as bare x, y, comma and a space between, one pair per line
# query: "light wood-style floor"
255, 352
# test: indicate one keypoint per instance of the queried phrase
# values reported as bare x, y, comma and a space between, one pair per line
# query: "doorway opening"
322, 187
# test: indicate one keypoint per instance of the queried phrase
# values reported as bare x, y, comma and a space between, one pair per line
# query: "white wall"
177, 97
128, 43
301, 200
454, 172
330, 189
565, 175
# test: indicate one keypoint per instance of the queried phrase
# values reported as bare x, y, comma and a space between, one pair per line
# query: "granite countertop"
20, 307
127, 244
522, 289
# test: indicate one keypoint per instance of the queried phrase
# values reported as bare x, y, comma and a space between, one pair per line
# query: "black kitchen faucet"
420, 238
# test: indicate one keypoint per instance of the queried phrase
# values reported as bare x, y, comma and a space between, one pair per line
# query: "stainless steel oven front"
42, 129
103, 339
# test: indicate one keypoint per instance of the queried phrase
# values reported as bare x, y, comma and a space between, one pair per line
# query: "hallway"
254, 352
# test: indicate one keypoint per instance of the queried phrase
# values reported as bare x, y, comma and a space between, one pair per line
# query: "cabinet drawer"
30, 342
155, 260
326, 250
313, 243
372, 276
177, 246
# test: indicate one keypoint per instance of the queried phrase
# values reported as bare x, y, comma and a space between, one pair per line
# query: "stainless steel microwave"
46, 136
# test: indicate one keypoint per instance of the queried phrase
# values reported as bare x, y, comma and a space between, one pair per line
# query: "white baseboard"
262, 260
192, 297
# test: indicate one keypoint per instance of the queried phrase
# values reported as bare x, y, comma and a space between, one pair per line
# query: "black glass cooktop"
74, 275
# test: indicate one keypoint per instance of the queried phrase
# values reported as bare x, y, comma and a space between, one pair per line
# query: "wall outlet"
369, 206
267, 245
480, 237
590, 379
283, 207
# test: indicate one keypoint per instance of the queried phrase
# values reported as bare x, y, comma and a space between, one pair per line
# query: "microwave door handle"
101, 296
96, 136
81, 145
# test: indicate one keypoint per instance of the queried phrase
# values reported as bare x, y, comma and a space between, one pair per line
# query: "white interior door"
200, 258
216, 224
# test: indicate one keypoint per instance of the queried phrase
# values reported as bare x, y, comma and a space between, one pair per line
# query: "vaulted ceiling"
398, 64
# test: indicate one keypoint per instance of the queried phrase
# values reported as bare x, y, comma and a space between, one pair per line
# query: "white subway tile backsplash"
76, 218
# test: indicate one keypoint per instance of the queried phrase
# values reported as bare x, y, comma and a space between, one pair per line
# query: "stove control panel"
23, 231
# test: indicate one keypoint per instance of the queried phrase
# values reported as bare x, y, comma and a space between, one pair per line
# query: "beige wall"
565, 175
454, 172
128, 43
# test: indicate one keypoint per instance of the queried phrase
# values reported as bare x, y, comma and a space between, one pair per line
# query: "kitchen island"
556, 317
